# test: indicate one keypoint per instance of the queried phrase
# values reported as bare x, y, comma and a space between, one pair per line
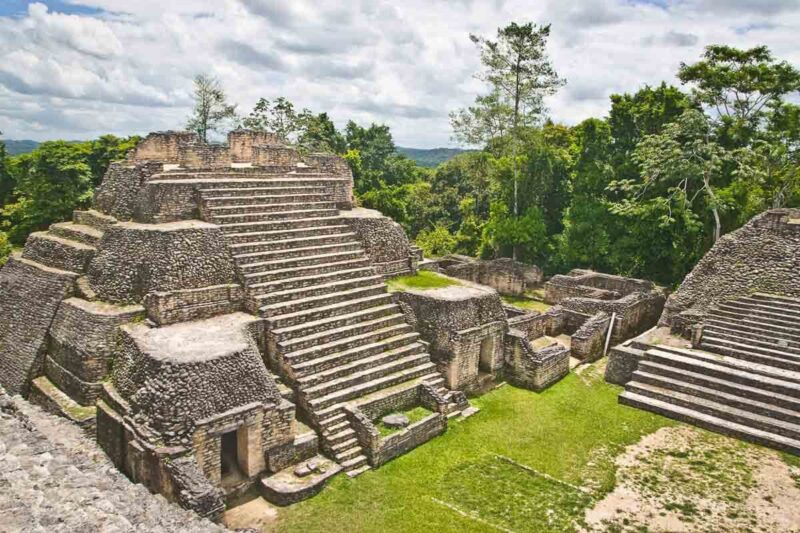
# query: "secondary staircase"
742, 380
333, 324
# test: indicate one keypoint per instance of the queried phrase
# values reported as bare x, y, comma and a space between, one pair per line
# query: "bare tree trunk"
714, 210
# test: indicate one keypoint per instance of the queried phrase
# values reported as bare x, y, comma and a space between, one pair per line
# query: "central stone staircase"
743, 380
333, 327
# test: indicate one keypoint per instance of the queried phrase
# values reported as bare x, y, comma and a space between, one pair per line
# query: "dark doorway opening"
229, 457
486, 360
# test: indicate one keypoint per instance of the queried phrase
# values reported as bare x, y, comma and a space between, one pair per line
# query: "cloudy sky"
78, 68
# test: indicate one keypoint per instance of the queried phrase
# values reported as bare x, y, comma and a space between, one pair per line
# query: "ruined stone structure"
736, 369
634, 304
219, 320
504, 275
477, 341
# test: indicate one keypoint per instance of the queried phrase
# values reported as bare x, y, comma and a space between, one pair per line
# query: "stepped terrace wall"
29, 298
761, 256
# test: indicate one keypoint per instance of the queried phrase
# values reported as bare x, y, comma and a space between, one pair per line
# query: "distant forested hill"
430, 157
19, 147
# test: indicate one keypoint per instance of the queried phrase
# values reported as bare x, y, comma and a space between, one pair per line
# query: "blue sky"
77, 69
16, 8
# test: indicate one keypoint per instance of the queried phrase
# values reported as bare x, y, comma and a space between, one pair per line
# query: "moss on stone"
422, 280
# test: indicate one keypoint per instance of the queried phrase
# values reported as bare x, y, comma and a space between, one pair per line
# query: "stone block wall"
588, 343
384, 240
761, 256
119, 193
171, 307
136, 259
506, 276
81, 345
534, 369
30, 295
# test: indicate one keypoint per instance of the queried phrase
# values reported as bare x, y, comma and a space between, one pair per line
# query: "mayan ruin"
399, 267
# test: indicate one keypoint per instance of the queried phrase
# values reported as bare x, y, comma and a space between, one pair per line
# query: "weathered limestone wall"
136, 259
172, 377
81, 346
504, 275
588, 342
29, 298
461, 323
384, 240
118, 194
534, 369
54, 478
761, 256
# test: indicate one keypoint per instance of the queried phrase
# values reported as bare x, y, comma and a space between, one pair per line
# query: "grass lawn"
526, 462
424, 279
526, 303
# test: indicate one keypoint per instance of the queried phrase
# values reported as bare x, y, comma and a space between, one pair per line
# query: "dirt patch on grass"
685, 479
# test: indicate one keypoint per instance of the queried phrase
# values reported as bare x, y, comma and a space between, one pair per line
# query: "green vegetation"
525, 302
430, 157
527, 461
414, 415
642, 192
422, 280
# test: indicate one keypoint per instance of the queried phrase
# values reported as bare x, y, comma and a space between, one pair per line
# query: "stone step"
310, 275
727, 384
284, 249
345, 444
246, 209
347, 454
775, 299
264, 199
333, 417
744, 315
755, 354
279, 263
349, 348
312, 301
355, 466
331, 316
749, 327
243, 251
340, 436
283, 224
281, 235
763, 306
751, 338
304, 276
733, 399
367, 363
56, 252
77, 232
246, 187
366, 387
355, 472
330, 340
717, 409
760, 311
306, 297
710, 422
279, 257
334, 428
268, 216
94, 219
728, 368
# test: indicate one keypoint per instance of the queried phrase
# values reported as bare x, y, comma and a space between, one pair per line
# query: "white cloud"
128, 69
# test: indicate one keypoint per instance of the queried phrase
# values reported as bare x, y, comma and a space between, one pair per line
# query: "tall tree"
211, 108
520, 73
686, 158
278, 117
740, 85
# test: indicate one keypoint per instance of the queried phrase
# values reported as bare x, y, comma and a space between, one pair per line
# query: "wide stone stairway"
743, 379
334, 331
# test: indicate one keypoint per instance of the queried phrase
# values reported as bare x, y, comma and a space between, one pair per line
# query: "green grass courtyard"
526, 462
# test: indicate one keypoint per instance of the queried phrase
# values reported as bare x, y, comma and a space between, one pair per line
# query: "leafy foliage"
211, 108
